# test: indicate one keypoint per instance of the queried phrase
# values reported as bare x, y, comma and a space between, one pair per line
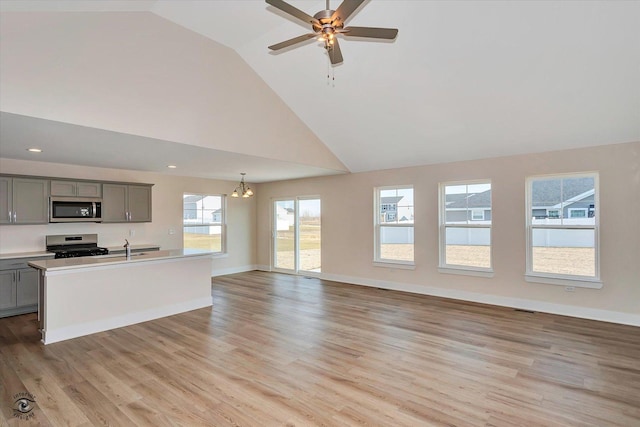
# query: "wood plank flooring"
280, 350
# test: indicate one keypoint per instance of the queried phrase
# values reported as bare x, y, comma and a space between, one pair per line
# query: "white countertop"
36, 254
93, 261
17, 255
148, 247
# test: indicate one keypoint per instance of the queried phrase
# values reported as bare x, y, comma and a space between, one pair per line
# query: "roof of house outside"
469, 200
390, 199
546, 193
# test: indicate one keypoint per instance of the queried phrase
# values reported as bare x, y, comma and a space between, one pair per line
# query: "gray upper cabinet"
114, 203
126, 203
76, 189
139, 199
6, 200
24, 201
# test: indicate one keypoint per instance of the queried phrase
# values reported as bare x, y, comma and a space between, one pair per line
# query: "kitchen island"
81, 296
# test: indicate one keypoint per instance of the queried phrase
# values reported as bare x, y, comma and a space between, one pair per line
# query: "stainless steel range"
75, 245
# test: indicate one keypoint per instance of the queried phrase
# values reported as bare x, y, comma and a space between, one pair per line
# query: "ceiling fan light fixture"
327, 24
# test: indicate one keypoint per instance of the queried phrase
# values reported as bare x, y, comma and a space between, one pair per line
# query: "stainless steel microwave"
75, 209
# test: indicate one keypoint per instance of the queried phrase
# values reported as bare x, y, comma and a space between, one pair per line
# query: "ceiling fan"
327, 24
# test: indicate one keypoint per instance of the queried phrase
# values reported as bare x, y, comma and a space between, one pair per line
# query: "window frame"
468, 270
568, 280
223, 220
378, 261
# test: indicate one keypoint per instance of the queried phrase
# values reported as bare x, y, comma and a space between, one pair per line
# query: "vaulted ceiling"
143, 84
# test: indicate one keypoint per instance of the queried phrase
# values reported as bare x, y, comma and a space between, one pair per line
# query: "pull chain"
328, 62
331, 76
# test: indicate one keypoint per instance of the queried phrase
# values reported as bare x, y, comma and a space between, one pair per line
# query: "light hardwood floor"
279, 350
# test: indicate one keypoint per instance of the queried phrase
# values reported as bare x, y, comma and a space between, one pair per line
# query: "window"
393, 218
577, 213
297, 235
477, 214
465, 227
203, 220
562, 247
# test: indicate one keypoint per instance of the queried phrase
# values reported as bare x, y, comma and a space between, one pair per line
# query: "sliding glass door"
297, 235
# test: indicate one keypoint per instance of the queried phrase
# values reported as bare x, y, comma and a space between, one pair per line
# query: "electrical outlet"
570, 288
172, 231
132, 233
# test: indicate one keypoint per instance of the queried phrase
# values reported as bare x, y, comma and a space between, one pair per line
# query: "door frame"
296, 239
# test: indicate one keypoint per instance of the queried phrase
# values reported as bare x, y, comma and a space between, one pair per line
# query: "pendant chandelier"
242, 189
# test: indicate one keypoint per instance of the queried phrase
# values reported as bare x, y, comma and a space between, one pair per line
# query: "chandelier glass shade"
242, 190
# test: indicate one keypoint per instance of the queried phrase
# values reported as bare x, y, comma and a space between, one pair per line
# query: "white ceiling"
463, 80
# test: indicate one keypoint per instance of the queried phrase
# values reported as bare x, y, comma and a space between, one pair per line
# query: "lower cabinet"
27, 287
7, 289
18, 288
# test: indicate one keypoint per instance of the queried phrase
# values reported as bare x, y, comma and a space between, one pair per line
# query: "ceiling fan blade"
376, 33
286, 7
335, 54
344, 11
292, 41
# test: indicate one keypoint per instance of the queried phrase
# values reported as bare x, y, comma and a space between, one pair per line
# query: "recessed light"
34, 150
172, 166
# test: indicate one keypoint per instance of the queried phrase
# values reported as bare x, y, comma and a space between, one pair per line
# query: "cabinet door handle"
14, 277
14, 216
18, 275
10, 220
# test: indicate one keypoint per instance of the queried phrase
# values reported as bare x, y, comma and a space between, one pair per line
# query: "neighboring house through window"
465, 227
393, 222
562, 230
204, 222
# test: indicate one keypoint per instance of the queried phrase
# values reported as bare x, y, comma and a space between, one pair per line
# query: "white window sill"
562, 281
221, 255
395, 264
466, 271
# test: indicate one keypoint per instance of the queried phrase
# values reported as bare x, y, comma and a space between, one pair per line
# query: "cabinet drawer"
13, 264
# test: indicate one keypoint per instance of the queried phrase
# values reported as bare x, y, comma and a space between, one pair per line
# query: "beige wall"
167, 214
347, 233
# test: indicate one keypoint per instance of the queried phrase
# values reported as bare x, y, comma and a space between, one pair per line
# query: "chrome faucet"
127, 248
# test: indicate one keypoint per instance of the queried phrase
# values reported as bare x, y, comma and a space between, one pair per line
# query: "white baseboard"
74, 331
232, 270
520, 303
